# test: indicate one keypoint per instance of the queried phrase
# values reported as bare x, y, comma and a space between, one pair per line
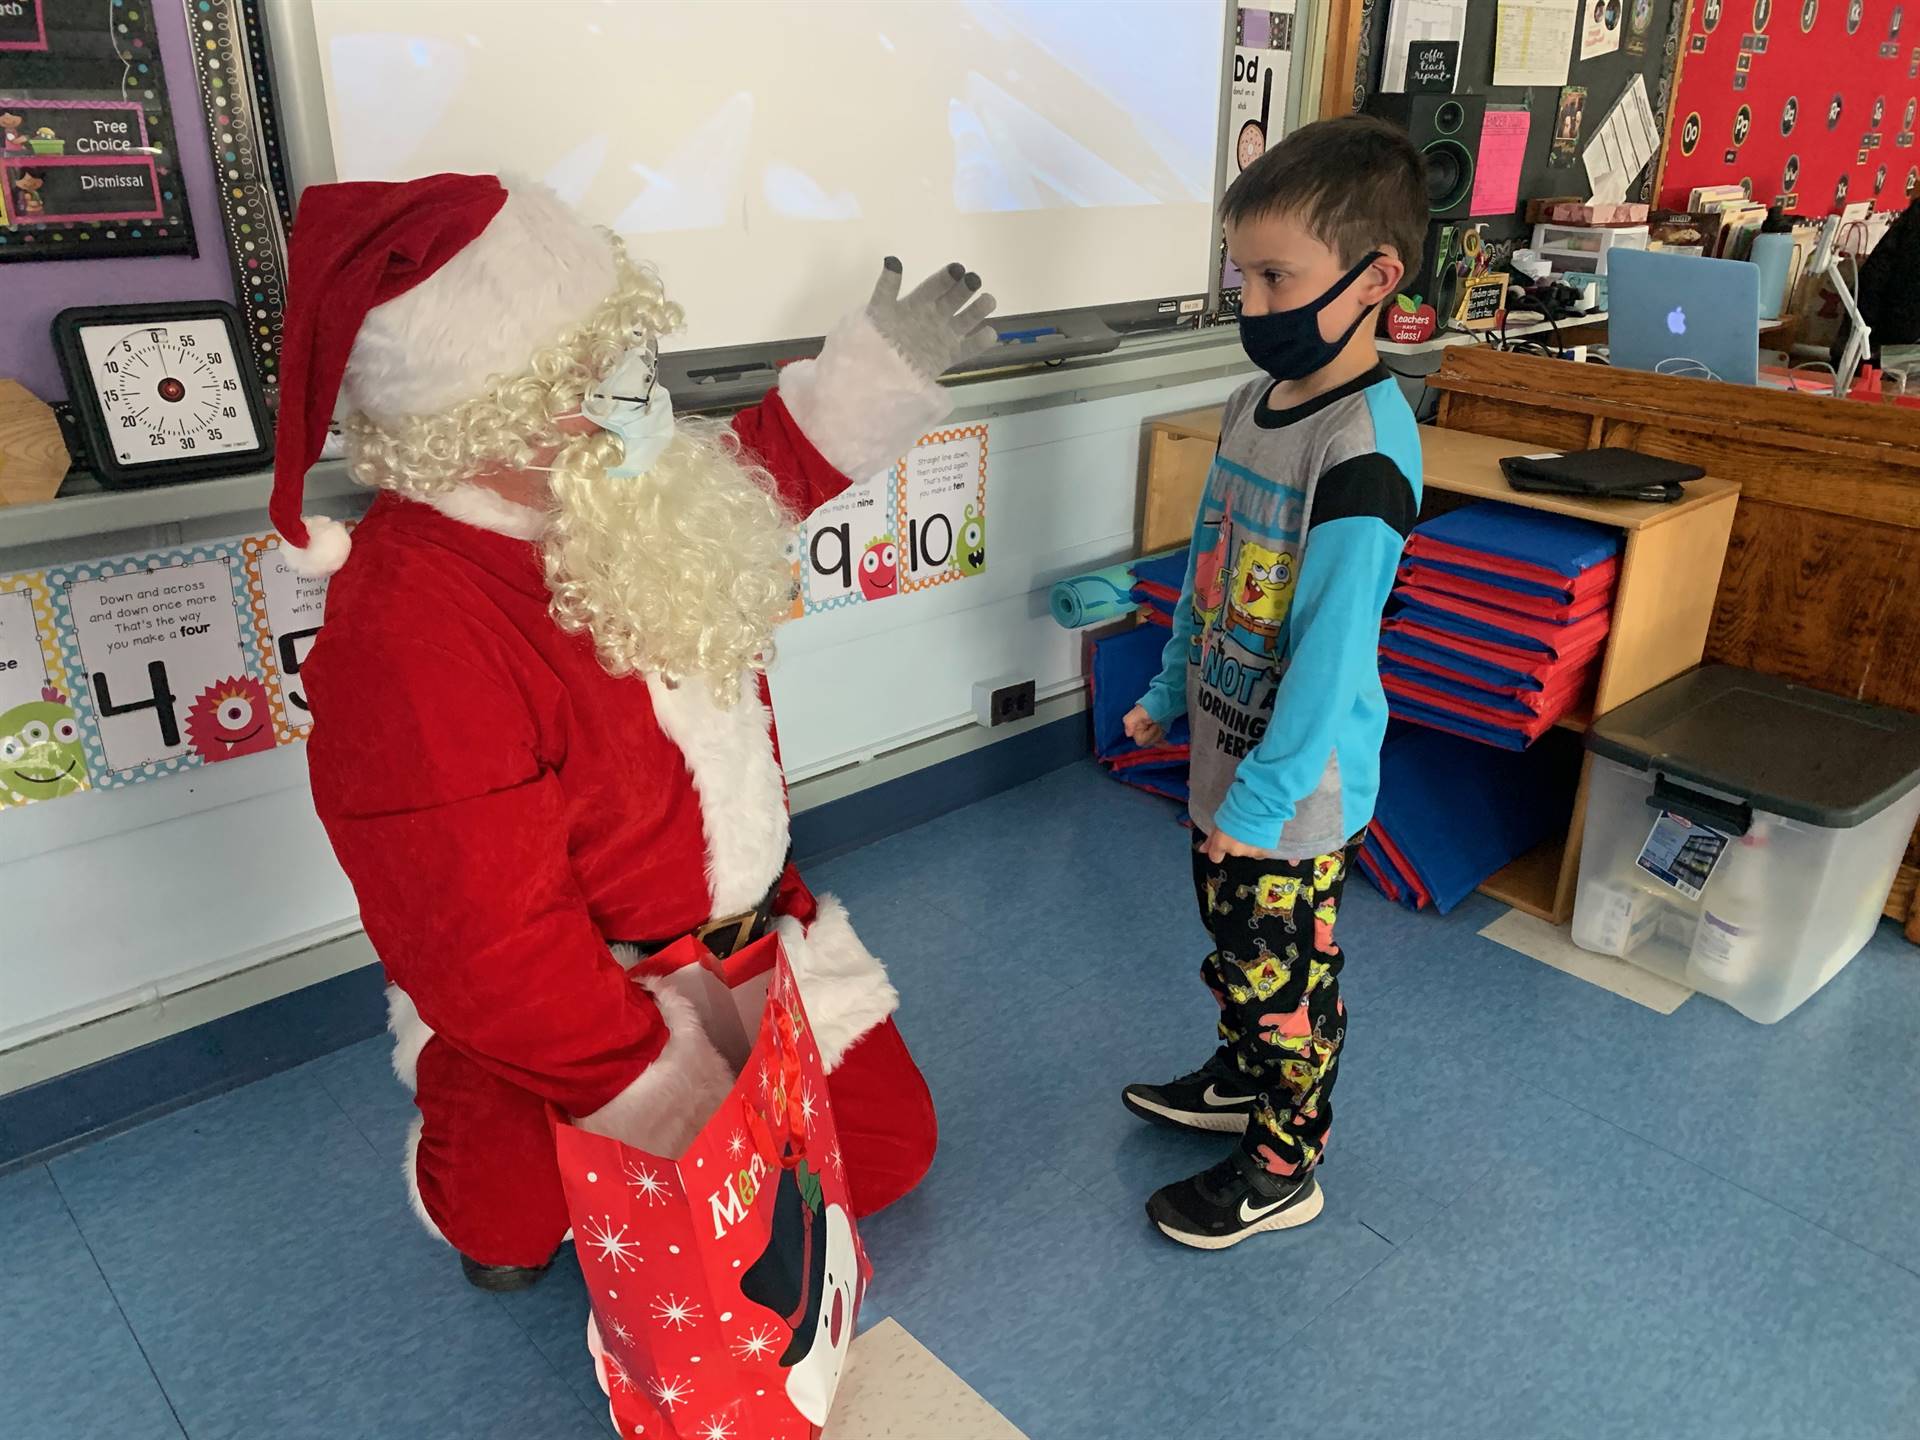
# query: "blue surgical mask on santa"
631, 403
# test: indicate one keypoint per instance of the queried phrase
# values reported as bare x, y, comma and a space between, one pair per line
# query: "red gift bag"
724, 1280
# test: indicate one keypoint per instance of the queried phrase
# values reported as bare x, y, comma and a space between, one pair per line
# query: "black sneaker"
1235, 1199
502, 1279
1216, 1099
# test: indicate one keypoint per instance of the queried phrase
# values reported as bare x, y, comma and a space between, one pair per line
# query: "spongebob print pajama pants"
1275, 972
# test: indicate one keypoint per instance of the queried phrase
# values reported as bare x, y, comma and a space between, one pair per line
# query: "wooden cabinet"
1663, 609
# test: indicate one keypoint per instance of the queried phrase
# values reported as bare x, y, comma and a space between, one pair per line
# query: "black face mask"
1287, 344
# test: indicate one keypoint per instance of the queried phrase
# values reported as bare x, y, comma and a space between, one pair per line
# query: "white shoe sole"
1226, 1122
1284, 1220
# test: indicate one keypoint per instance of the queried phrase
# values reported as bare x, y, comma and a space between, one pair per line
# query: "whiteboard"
765, 155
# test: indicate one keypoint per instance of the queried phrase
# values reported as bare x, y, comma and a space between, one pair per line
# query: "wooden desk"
1663, 608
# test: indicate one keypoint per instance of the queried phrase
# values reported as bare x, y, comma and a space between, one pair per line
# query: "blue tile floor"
1551, 1212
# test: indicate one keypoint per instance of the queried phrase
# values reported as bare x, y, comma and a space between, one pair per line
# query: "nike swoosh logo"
1248, 1216
1214, 1097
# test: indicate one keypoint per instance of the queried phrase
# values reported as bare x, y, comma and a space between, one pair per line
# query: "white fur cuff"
845, 989
663, 1107
860, 403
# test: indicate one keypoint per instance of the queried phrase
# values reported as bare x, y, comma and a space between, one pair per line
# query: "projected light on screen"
766, 155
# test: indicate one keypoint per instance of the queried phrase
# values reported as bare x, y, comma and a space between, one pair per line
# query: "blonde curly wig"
682, 572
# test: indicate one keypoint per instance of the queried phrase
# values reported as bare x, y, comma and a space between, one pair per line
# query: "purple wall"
35, 291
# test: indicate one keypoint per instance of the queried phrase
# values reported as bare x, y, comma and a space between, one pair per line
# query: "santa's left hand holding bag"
542, 744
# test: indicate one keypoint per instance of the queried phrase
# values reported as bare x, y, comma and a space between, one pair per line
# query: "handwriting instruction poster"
163, 646
41, 757
286, 608
852, 550
942, 495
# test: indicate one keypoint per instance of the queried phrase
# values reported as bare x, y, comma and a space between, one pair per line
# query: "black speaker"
1446, 128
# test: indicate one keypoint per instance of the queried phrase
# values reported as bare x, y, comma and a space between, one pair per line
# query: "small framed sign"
1483, 300
1432, 66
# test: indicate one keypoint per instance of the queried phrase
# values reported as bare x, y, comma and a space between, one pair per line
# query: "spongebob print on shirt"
1243, 590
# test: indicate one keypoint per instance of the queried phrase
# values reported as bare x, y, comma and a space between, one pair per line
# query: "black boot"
502, 1279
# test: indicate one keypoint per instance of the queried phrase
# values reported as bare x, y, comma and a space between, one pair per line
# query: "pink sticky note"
1503, 145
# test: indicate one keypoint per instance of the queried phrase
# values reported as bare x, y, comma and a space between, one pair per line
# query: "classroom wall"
127, 895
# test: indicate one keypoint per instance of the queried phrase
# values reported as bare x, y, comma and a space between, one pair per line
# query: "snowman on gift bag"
810, 1274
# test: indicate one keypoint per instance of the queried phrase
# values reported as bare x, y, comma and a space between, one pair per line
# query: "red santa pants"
486, 1177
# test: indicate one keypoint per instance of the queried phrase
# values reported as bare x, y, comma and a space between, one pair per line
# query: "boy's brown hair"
1355, 184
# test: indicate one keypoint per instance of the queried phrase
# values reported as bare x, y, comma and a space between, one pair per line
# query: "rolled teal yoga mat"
1096, 597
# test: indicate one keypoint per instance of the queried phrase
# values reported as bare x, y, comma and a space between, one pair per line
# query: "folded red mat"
1561, 638
1531, 662
1450, 704
1597, 577
1540, 607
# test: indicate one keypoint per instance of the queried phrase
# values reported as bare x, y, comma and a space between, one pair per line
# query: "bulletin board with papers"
1617, 55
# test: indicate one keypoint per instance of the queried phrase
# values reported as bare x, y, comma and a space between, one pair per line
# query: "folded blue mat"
1473, 629
1495, 578
1393, 642
1169, 570
1458, 725
1124, 664
1534, 537
1503, 703
1462, 812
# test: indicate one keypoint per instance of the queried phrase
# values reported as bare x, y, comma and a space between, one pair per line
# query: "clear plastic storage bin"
1742, 834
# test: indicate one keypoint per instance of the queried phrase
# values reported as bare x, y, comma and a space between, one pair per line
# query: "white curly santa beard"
682, 572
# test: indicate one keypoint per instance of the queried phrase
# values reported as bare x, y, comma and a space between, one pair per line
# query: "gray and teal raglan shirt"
1275, 650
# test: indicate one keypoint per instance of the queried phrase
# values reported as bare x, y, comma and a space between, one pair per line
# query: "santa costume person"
542, 742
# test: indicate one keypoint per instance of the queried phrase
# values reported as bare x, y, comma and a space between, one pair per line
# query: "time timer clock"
164, 392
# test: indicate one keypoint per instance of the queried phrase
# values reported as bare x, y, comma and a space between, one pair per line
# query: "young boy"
1273, 657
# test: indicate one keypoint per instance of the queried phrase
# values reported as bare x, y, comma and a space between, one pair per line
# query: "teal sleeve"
1166, 697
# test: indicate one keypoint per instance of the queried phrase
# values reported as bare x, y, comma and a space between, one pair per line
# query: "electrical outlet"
1002, 702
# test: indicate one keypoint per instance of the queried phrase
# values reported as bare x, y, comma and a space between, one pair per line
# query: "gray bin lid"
1801, 753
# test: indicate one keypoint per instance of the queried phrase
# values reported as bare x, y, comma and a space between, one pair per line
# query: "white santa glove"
942, 322
663, 1108
875, 388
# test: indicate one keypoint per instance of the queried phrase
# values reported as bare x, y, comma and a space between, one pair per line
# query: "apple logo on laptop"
1677, 320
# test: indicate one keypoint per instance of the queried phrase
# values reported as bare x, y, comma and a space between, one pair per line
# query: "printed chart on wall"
1257, 94
88, 164
921, 524
41, 757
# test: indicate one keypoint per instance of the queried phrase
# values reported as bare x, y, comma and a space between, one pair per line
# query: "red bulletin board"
1810, 101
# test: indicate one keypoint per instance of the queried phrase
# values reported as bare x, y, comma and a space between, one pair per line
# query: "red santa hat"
411, 297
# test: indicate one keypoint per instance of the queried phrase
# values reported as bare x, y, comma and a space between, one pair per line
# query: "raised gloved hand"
875, 387
941, 322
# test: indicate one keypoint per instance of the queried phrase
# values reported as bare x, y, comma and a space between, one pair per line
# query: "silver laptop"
1684, 315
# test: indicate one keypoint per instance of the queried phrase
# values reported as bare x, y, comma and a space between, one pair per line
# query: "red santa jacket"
505, 808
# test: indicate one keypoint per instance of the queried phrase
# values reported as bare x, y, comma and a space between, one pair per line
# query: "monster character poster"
919, 524
41, 757
165, 661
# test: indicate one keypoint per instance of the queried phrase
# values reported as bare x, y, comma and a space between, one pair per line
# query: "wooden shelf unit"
1663, 605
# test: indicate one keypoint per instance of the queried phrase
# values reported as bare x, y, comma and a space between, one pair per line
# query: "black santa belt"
727, 936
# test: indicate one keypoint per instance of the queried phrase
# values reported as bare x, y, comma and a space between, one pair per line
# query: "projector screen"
765, 155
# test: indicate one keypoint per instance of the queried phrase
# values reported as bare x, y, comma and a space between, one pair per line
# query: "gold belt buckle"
740, 927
